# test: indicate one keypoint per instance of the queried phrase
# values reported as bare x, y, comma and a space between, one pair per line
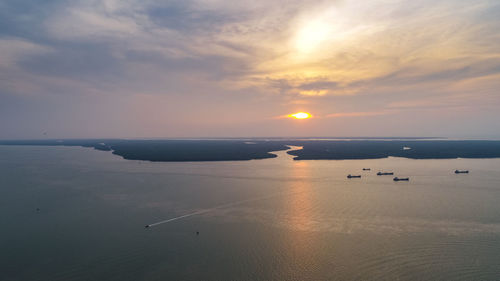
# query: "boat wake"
204, 211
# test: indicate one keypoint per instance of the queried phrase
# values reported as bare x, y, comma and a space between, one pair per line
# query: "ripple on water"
455, 258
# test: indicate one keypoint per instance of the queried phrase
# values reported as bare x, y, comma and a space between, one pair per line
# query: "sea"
73, 213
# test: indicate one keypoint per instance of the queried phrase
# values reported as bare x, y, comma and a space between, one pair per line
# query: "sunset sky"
213, 68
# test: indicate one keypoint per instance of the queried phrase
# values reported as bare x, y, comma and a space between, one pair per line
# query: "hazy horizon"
44, 137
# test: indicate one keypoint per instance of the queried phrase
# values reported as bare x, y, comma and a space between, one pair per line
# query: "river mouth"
283, 154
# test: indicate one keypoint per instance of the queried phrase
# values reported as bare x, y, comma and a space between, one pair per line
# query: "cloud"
363, 58
358, 114
14, 49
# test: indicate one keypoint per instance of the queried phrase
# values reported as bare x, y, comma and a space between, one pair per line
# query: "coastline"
240, 150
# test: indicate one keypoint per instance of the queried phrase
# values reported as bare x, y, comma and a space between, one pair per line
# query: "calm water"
289, 220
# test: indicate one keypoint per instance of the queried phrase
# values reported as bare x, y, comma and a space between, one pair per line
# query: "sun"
311, 35
300, 115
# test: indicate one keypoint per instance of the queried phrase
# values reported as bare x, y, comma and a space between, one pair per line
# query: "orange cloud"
357, 114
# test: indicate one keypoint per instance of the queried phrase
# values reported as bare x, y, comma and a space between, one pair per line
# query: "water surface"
274, 219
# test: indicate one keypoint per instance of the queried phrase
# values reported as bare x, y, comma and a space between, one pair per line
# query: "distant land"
414, 149
238, 149
171, 150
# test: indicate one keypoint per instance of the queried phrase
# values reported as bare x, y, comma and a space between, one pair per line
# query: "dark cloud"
24, 18
319, 85
80, 61
184, 16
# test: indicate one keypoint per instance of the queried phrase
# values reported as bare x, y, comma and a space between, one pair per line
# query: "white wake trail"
213, 209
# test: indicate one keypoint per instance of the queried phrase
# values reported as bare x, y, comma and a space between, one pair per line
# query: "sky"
214, 68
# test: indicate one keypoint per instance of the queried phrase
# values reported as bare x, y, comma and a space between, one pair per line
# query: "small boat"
385, 173
401, 179
461, 172
366, 169
147, 226
351, 176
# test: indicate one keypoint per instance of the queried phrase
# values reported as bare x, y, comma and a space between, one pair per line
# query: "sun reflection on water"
299, 200
299, 206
